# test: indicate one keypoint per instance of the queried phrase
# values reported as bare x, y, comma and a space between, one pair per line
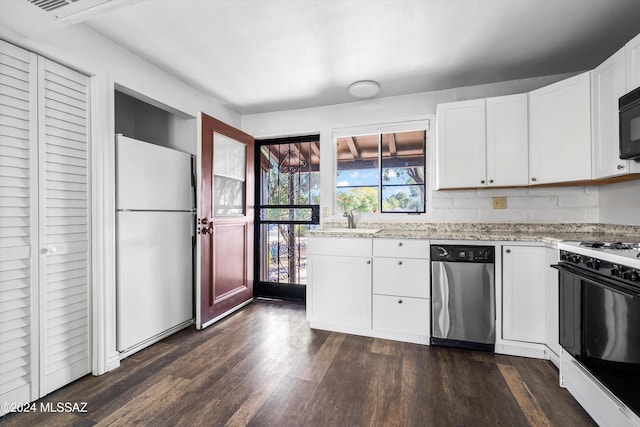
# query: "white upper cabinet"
632, 53
507, 141
560, 131
483, 143
460, 144
608, 85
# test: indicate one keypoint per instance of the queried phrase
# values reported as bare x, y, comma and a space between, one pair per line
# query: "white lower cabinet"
342, 290
521, 329
339, 284
352, 290
401, 289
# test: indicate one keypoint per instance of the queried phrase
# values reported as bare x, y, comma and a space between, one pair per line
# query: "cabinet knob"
490, 181
508, 251
399, 243
620, 167
482, 182
399, 301
368, 261
399, 262
534, 178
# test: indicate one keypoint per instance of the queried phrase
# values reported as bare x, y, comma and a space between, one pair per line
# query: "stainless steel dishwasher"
463, 296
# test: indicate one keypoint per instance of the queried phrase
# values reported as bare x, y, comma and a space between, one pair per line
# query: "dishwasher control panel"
462, 253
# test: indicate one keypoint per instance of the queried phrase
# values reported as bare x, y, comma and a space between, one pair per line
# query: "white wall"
569, 204
109, 66
620, 203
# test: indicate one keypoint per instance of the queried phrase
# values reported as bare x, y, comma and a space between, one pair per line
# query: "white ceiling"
267, 55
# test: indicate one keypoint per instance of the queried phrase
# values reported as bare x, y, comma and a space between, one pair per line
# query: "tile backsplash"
548, 205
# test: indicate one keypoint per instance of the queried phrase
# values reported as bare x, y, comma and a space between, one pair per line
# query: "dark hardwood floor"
263, 366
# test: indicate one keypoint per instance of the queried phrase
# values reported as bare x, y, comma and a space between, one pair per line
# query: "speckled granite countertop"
525, 232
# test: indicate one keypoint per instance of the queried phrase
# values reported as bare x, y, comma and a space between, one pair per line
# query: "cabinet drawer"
403, 248
401, 314
401, 276
339, 246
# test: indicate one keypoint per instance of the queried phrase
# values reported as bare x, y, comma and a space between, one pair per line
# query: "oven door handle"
597, 280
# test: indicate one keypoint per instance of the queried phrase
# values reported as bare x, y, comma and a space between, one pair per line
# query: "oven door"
599, 326
630, 129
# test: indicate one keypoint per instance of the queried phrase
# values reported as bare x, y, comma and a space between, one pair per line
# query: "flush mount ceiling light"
364, 89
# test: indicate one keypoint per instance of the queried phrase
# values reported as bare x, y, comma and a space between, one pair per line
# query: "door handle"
207, 229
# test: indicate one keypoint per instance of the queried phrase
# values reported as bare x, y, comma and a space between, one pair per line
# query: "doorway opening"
287, 205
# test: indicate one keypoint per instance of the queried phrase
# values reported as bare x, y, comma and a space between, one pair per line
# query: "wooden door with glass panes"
225, 225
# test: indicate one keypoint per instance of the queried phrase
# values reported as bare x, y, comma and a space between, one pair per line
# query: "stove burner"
619, 246
592, 244
613, 245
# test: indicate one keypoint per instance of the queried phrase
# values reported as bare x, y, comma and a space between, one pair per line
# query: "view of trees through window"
289, 189
381, 172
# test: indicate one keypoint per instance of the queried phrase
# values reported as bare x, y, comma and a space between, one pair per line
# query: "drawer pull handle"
400, 244
399, 262
399, 301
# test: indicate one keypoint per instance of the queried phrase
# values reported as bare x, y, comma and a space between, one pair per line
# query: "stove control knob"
593, 263
576, 259
616, 270
631, 275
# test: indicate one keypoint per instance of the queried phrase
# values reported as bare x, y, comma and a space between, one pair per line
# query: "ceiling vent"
64, 8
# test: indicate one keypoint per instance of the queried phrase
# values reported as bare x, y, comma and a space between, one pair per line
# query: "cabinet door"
552, 306
341, 290
18, 226
507, 140
523, 293
460, 144
632, 53
608, 85
560, 131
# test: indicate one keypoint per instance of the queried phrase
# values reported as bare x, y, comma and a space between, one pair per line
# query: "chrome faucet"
349, 216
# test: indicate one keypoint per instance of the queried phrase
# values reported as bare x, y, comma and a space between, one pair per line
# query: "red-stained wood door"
225, 223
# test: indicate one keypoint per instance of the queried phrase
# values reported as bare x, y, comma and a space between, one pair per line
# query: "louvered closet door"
64, 225
18, 227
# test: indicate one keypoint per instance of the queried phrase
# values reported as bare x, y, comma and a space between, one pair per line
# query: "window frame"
393, 127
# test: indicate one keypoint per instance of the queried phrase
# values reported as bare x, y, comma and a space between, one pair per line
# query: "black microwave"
630, 125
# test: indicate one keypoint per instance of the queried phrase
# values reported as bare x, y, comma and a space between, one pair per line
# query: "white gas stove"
620, 253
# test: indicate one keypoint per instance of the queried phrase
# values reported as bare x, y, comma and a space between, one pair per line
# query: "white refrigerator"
155, 223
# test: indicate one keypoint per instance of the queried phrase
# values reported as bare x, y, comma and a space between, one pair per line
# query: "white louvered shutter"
18, 226
64, 225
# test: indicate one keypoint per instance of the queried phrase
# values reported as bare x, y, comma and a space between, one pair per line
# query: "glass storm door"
287, 201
